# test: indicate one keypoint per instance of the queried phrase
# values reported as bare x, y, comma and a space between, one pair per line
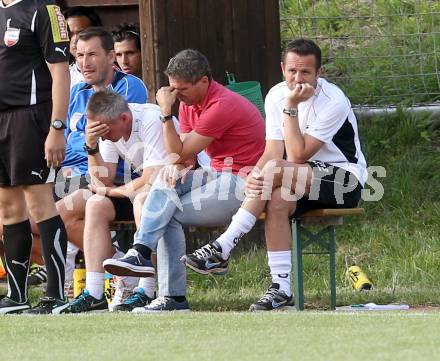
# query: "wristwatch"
164, 118
58, 124
291, 112
90, 150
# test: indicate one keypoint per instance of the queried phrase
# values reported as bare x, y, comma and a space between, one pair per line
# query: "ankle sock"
17, 239
148, 284
95, 284
280, 264
242, 223
143, 250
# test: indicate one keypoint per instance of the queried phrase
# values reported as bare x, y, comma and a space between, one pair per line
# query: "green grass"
223, 336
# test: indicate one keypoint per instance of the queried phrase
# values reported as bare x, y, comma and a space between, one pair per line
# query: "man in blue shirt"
95, 58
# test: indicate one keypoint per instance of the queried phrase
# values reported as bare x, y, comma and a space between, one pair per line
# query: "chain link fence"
381, 52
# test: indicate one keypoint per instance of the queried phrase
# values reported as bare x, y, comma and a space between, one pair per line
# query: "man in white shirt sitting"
134, 133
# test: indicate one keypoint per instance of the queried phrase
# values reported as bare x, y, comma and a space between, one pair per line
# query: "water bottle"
358, 278
109, 287
79, 278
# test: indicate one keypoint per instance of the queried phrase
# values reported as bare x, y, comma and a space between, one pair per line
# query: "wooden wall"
239, 36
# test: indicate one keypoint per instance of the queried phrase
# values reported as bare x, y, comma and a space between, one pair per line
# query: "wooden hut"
239, 36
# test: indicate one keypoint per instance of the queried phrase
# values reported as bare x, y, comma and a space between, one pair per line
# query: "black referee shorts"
23, 132
332, 187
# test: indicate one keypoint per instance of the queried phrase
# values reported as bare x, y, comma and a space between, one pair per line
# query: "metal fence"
381, 52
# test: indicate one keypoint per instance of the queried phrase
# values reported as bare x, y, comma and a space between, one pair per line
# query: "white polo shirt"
326, 116
145, 146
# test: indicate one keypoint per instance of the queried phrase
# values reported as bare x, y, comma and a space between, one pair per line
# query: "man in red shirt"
231, 130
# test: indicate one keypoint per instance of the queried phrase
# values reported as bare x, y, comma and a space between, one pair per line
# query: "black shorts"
23, 132
332, 187
67, 185
123, 209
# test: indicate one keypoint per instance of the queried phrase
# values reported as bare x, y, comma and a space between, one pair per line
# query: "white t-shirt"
326, 116
145, 146
75, 75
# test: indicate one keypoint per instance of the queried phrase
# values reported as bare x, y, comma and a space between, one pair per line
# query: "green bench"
302, 237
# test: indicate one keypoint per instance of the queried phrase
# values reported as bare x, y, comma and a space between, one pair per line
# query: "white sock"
242, 223
72, 251
95, 284
280, 264
148, 284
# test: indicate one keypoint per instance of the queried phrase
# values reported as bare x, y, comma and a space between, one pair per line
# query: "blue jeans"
206, 198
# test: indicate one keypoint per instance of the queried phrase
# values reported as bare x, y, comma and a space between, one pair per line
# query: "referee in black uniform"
34, 96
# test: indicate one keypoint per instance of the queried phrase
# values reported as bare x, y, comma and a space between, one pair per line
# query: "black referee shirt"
32, 32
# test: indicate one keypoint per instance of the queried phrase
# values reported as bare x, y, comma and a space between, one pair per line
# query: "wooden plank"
228, 38
190, 25
161, 41
174, 9
70, 3
257, 40
219, 46
241, 30
208, 34
272, 73
334, 212
147, 33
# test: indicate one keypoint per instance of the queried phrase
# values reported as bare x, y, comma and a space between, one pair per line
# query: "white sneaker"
124, 286
163, 304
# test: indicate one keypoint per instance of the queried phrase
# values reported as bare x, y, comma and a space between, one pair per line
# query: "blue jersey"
131, 87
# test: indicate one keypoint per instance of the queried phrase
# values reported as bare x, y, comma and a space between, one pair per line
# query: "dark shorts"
123, 209
332, 187
67, 185
23, 132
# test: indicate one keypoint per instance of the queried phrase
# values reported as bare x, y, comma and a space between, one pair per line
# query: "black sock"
143, 250
18, 243
54, 240
178, 298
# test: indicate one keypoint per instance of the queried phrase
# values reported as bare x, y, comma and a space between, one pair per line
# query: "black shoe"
273, 299
49, 306
37, 275
137, 299
87, 303
207, 259
132, 264
8, 305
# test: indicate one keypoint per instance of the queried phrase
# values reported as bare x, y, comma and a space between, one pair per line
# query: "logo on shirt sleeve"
58, 24
12, 35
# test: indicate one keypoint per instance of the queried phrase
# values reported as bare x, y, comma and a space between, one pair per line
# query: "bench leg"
332, 265
298, 266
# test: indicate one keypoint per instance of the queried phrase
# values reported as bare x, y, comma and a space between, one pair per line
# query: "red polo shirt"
235, 124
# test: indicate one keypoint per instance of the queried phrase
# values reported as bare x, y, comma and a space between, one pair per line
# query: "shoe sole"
159, 311
283, 308
60, 309
214, 271
14, 310
124, 269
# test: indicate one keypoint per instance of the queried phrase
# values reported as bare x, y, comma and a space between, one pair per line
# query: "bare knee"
100, 209
277, 205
